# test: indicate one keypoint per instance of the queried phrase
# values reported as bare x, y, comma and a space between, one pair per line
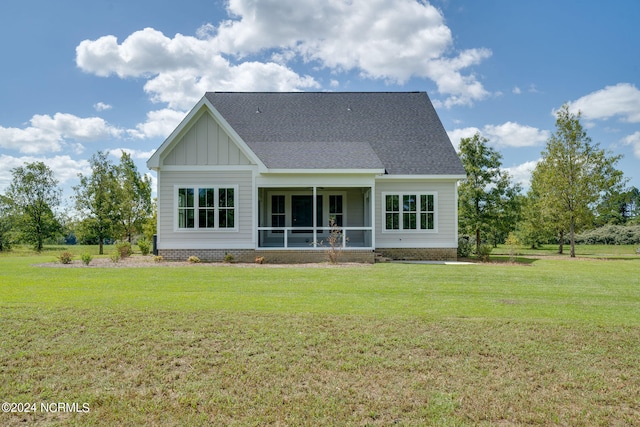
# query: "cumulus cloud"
521, 174
181, 69
621, 100
135, 154
509, 134
392, 40
512, 134
634, 141
50, 134
159, 123
64, 168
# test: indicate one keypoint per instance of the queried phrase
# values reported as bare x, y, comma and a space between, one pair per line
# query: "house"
263, 174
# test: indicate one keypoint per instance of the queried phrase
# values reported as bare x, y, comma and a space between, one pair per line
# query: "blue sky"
80, 76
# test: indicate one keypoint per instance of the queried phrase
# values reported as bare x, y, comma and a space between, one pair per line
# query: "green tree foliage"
33, 194
5, 223
97, 199
572, 176
619, 207
487, 198
134, 201
534, 229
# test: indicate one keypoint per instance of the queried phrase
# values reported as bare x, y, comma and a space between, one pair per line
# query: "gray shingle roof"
397, 131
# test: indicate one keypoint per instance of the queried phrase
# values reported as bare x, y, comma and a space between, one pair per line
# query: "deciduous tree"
573, 175
485, 197
33, 195
134, 201
97, 198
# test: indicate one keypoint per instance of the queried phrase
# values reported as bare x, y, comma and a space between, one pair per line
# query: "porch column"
315, 219
372, 201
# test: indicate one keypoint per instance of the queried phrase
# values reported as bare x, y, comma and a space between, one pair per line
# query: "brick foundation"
420, 254
270, 256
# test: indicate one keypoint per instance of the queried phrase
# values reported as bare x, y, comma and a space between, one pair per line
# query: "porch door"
302, 212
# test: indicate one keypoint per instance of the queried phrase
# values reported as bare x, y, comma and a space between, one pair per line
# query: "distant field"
546, 341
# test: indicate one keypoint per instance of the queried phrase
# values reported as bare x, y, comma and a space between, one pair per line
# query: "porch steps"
381, 258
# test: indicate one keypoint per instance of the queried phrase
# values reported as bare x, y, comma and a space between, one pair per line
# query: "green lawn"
548, 341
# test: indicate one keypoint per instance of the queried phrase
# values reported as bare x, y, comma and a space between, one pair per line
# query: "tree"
573, 175
5, 223
485, 198
97, 198
534, 229
33, 194
134, 201
618, 207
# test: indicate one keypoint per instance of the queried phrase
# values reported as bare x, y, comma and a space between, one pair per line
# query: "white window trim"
196, 228
383, 218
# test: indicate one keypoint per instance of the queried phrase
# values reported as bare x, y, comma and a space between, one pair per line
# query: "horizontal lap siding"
447, 215
168, 238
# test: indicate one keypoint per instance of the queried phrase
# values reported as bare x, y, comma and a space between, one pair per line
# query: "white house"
262, 174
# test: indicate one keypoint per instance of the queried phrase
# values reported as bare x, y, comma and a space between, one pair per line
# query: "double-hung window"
409, 211
206, 208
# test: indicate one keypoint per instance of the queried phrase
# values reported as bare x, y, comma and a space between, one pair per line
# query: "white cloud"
634, 141
181, 69
509, 134
517, 90
512, 134
457, 134
392, 40
621, 100
65, 168
50, 134
101, 106
159, 123
521, 174
135, 154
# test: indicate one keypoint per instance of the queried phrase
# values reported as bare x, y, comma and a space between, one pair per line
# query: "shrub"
115, 256
512, 242
124, 248
483, 252
158, 258
465, 247
145, 246
193, 259
65, 257
86, 258
259, 260
228, 258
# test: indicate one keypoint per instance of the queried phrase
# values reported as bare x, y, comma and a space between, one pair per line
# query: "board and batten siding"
205, 143
446, 235
169, 237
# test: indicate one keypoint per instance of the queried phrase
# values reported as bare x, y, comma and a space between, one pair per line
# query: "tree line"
112, 203
574, 187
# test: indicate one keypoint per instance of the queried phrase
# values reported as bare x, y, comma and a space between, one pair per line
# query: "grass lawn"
549, 341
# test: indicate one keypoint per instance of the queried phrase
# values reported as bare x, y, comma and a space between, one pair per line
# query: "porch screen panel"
278, 212
335, 209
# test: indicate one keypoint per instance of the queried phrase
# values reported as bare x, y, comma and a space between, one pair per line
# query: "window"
214, 208
410, 211
186, 211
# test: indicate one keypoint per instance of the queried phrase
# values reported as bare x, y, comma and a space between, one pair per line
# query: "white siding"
205, 143
446, 235
170, 238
